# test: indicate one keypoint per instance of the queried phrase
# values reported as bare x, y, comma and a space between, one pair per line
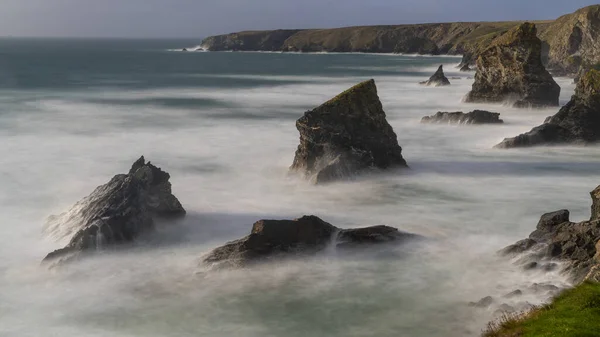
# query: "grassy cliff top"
575, 313
365, 88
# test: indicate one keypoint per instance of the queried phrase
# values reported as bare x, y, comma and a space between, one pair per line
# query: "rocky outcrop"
438, 79
117, 212
347, 135
511, 70
557, 239
307, 235
578, 122
465, 68
569, 42
473, 117
573, 41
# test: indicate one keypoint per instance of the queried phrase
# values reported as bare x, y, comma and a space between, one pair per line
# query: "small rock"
530, 266
482, 303
518, 248
438, 79
473, 117
513, 294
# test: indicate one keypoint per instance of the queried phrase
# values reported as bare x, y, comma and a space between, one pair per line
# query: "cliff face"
569, 42
573, 41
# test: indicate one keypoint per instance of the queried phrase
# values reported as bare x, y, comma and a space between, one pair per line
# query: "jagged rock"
438, 79
482, 303
511, 69
306, 235
557, 239
595, 204
347, 135
578, 122
184, 49
514, 294
473, 117
117, 212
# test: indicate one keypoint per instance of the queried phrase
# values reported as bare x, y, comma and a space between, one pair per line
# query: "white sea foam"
468, 199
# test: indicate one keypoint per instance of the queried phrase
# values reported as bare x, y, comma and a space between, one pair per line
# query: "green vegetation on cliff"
575, 313
570, 42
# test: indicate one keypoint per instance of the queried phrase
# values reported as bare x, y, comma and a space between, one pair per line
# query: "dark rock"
306, 235
345, 136
519, 247
482, 303
465, 68
117, 212
184, 49
544, 288
578, 122
530, 266
595, 204
558, 239
473, 117
438, 79
514, 294
506, 309
511, 69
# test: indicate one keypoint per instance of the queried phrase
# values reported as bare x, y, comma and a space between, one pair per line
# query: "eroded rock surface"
345, 136
117, 212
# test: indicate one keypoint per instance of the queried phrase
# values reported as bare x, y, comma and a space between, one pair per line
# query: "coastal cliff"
569, 42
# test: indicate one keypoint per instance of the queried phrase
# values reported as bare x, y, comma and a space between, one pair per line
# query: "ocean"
73, 113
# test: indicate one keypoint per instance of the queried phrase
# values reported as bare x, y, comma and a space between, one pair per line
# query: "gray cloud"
189, 18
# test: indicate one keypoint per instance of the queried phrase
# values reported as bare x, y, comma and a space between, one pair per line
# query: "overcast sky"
200, 18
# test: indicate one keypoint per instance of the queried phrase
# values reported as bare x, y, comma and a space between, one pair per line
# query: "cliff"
570, 42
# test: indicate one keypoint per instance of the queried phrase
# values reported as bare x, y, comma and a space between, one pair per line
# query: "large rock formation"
117, 212
459, 117
569, 42
307, 235
578, 122
346, 135
573, 41
558, 239
511, 70
438, 79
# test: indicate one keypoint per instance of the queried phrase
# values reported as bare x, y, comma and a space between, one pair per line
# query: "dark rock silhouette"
473, 117
345, 136
308, 234
438, 79
578, 122
117, 212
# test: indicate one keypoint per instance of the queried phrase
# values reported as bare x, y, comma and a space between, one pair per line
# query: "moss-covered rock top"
522, 33
589, 84
362, 89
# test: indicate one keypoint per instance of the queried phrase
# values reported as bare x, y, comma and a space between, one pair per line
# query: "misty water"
73, 113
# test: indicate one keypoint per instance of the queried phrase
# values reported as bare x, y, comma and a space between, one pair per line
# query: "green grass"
575, 313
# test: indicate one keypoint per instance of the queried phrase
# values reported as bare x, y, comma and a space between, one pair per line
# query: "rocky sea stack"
438, 79
557, 239
306, 235
511, 70
347, 135
459, 117
117, 212
578, 122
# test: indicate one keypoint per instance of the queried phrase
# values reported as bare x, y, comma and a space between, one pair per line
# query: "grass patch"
575, 313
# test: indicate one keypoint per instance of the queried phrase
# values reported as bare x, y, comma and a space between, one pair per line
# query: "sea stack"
347, 135
270, 239
438, 79
511, 70
459, 117
117, 212
578, 122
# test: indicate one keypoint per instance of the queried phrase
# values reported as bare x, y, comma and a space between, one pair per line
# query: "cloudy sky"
200, 18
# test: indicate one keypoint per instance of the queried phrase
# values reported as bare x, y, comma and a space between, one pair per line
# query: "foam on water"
228, 163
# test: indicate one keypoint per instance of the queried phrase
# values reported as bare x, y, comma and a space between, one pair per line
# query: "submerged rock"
438, 79
306, 235
117, 212
473, 117
482, 303
347, 135
557, 239
578, 122
511, 70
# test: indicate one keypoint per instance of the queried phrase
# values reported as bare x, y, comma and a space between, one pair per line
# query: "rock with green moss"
578, 122
347, 135
511, 70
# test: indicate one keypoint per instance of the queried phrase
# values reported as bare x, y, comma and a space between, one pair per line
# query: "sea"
75, 112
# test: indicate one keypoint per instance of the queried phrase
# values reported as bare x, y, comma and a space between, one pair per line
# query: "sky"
201, 18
